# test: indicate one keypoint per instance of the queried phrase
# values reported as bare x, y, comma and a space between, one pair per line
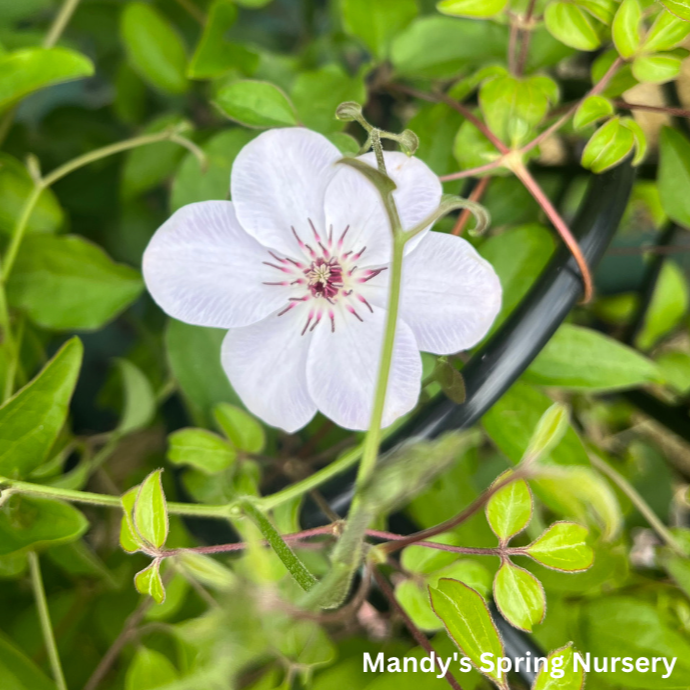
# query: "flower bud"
349, 111
409, 142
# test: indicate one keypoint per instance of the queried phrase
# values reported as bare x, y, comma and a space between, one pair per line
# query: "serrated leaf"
519, 596
148, 581
201, 449
666, 33
27, 70
571, 25
130, 541
509, 510
243, 430
563, 546
592, 109
656, 69
150, 513
139, 398
479, 9
608, 146
149, 670
256, 104
626, 28
468, 622
31, 420
572, 679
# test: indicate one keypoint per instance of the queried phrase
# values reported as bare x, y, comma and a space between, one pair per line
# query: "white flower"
296, 268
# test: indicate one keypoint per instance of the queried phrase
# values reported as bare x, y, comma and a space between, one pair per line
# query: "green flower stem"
188, 509
44, 616
624, 485
290, 560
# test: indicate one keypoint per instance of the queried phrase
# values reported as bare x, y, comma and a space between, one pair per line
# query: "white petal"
278, 180
450, 295
201, 267
351, 200
343, 367
267, 366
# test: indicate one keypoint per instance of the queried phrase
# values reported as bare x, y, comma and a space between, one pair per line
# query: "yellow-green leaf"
148, 581
563, 546
509, 510
519, 596
562, 658
150, 512
626, 28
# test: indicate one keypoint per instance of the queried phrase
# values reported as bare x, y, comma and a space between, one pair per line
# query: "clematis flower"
296, 268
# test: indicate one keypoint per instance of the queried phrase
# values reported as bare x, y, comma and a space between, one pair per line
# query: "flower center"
328, 279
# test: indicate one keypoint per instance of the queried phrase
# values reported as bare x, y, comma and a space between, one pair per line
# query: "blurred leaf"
640, 139
242, 429
656, 69
675, 366
150, 512
666, 33
436, 124
139, 398
679, 8
674, 175
15, 186
192, 183
205, 570
563, 546
256, 104
18, 672
472, 149
626, 28
440, 46
603, 10
549, 432
305, 643
519, 596
376, 22
509, 510
31, 420
468, 622
608, 146
578, 358
154, 48
571, 680
592, 109
24, 71
620, 82
450, 380
667, 308
471, 8
571, 25
176, 591
28, 523
201, 449
148, 581
68, 283
194, 357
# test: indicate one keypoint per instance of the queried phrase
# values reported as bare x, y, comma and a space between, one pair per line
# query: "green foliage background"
100, 389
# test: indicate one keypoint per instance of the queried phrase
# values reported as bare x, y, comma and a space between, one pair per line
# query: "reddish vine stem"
526, 38
476, 196
419, 637
665, 110
472, 172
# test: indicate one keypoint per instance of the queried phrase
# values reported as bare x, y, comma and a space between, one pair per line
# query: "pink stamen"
313, 228
356, 256
332, 318
287, 309
342, 237
280, 268
352, 311
364, 301
373, 274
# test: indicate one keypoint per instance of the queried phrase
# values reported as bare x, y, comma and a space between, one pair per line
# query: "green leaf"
563, 546
256, 104
552, 426
471, 8
201, 449
450, 379
28, 523
305, 644
68, 283
519, 596
680, 8
150, 512
592, 109
317, 94
130, 541
578, 358
603, 10
376, 22
572, 679
15, 186
668, 306
609, 145
666, 33
24, 71
640, 139
192, 183
206, 570
571, 25
468, 621
509, 510
438, 47
675, 366
18, 672
656, 69
620, 82
242, 429
626, 28
512, 420
148, 581
674, 175
194, 357
154, 48
627, 627
31, 420
472, 149
139, 398
149, 669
